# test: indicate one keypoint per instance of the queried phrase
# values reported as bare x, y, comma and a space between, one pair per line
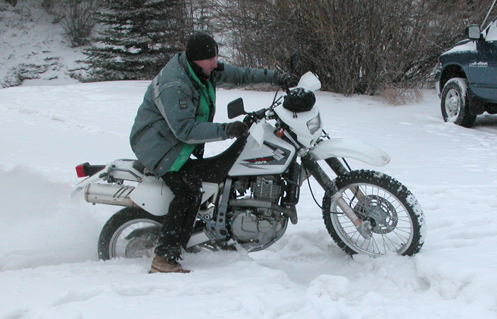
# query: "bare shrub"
79, 20
400, 95
52, 6
360, 46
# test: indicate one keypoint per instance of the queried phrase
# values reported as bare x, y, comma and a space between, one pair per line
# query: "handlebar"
253, 117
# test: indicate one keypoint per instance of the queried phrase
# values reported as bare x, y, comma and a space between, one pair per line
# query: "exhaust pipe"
109, 194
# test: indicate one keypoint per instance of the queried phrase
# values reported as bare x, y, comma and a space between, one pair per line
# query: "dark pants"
179, 221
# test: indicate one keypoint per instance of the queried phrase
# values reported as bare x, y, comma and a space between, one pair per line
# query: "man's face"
207, 65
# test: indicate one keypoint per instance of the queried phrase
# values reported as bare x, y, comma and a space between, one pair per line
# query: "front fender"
350, 148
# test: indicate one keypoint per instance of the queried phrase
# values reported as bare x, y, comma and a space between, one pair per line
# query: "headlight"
314, 124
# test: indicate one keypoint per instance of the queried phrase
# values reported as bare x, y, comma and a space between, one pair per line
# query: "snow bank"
49, 266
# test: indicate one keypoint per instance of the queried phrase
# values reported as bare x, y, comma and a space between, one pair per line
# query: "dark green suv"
467, 79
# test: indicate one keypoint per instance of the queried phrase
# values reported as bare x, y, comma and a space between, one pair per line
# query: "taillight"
81, 171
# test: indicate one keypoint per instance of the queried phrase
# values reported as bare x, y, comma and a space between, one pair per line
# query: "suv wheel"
455, 103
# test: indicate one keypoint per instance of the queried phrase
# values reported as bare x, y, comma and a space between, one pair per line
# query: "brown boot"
166, 265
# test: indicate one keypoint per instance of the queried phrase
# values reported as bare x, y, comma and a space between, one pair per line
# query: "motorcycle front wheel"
397, 220
129, 233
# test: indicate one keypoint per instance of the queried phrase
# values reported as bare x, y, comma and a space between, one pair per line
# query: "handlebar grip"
254, 116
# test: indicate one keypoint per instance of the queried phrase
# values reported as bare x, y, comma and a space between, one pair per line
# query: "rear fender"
89, 180
121, 169
350, 148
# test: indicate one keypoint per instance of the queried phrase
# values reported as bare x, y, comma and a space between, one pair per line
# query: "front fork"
332, 192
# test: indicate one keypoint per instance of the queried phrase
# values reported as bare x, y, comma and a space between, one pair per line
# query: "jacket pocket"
151, 146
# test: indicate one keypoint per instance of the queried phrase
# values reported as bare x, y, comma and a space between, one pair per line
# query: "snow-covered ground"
33, 46
49, 267
48, 261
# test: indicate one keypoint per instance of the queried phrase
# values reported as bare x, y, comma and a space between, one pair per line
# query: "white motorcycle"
251, 190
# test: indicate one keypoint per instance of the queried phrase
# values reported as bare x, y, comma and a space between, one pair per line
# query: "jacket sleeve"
233, 76
178, 109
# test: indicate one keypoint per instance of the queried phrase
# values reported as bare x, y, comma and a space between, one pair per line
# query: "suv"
467, 79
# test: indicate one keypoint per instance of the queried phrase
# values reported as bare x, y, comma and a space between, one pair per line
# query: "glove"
285, 80
236, 129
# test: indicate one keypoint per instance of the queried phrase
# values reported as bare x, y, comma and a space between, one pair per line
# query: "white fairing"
264, 153
298, 124
154, 196
350, 148
309, 81
307, 125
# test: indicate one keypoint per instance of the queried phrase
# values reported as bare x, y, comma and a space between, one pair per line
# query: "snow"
469, 46
34, 46
49, 266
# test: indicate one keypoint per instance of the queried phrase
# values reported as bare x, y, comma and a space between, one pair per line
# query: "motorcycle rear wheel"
114, 238
397, 220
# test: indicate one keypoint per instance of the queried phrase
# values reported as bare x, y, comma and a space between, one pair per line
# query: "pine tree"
138, 38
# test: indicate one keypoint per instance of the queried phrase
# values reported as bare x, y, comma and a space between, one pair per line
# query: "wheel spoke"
392, 225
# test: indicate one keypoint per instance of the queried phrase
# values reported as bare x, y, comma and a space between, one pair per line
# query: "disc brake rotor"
379, 211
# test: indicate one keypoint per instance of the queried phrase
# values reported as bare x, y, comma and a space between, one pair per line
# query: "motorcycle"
251, 190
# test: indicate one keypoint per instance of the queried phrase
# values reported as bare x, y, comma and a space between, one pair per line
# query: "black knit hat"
201, 46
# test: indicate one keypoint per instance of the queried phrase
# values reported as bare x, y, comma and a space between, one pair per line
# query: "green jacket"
170, 120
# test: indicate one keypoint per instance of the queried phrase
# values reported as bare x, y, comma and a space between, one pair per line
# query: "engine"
255, 224
266, 188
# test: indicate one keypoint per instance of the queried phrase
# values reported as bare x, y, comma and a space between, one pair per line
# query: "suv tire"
455, 103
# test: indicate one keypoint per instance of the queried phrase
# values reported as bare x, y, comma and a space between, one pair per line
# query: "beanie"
201, 46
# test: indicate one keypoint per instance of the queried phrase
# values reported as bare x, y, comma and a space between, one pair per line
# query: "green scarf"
207, 96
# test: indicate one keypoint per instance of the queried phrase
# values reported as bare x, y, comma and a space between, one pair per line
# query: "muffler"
109, 194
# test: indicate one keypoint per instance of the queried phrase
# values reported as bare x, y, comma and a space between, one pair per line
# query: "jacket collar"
198, 70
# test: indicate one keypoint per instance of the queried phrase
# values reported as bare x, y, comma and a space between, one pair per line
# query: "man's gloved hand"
285, 80
236, 129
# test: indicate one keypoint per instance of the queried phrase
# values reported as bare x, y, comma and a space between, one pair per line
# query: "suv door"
483, 67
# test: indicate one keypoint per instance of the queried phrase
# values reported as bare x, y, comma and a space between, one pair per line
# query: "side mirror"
236, 108
473, 32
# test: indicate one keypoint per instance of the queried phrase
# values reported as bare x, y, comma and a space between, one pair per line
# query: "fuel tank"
264, 153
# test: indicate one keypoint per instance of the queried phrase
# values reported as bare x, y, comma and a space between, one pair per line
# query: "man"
174, 121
